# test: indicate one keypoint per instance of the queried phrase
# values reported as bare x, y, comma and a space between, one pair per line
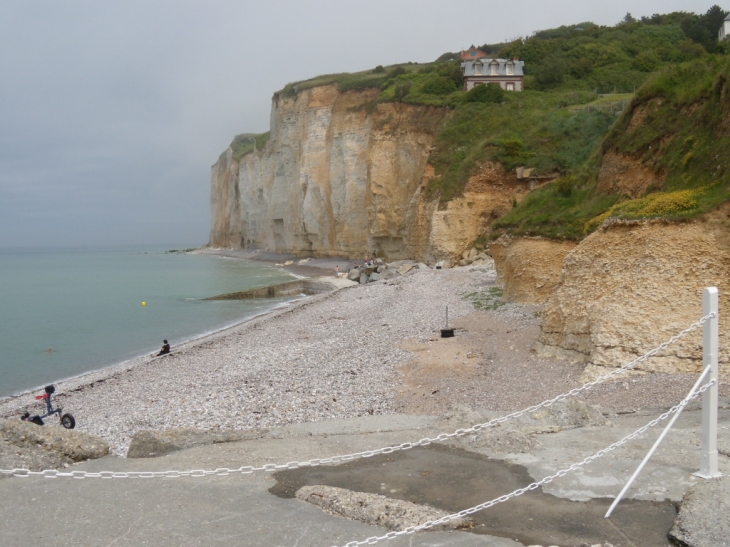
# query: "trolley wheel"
68, 421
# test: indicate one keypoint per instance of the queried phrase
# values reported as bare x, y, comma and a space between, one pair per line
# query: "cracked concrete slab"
239, 510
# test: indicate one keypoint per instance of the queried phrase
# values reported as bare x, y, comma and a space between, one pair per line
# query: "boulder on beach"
29, 446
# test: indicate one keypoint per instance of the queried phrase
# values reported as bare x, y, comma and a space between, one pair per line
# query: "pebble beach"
338, 355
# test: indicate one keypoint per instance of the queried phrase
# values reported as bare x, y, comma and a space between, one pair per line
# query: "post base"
710, 476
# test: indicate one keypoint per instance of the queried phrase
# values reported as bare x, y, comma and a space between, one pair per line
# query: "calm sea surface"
86, 304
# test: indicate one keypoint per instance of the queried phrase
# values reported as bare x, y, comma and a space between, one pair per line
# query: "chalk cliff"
337, 177
344, 175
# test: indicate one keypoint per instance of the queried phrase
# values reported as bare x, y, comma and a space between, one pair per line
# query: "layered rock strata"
632, 285
336, 178
344, 175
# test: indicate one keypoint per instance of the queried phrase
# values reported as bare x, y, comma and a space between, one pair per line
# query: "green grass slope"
684, 138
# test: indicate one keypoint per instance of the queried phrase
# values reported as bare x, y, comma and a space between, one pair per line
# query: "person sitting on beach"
165, 349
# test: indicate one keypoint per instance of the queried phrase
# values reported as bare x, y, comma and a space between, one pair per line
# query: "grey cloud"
111, 113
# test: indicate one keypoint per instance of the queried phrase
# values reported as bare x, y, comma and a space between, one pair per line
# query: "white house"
724, 29
508, 73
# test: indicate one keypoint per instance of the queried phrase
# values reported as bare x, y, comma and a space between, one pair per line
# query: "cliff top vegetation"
578, 80
558, 121
676, 126
248, 142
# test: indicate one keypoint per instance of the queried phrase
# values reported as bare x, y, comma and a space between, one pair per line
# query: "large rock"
149, 443
30, 446
630, 286
704, 516
374, 509
517, 436
389, 274
566, 414
529, 269
354, 274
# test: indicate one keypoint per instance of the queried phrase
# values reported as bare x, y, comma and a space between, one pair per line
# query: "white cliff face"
338, 177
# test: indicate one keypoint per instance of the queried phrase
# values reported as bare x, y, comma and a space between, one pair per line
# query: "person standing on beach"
337, 271
165, 349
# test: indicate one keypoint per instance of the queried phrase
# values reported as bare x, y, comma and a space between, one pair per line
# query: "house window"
473, 53
510, 69
494, 69
510, 86
478, 68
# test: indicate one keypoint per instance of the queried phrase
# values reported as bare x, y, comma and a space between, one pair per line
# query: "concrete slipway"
239, 509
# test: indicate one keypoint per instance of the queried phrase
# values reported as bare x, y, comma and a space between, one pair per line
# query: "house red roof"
472, 53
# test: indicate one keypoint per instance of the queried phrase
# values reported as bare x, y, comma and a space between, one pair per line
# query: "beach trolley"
67, 420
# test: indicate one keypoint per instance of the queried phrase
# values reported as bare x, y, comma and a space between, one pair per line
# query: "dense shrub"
436, 84
485, 93
564, 185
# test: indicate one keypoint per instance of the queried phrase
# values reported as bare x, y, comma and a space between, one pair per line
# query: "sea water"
85, 305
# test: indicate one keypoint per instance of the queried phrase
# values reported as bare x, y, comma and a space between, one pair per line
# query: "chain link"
269, 467
535, 485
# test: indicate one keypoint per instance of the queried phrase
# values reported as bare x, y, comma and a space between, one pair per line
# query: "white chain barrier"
535, 485
270, 467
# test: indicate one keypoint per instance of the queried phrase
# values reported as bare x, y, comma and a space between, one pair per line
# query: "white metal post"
710, 342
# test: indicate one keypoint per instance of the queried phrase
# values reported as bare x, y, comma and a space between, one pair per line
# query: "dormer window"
510, 69
478, 68
494, 68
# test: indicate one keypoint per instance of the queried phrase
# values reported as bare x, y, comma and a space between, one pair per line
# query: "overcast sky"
111, 113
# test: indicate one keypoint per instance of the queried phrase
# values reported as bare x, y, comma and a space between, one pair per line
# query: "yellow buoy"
144, 303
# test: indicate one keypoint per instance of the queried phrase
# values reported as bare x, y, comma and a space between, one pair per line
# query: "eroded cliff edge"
340, 176
344, 175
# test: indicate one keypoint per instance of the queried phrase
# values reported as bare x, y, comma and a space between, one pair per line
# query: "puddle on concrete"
453, 479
